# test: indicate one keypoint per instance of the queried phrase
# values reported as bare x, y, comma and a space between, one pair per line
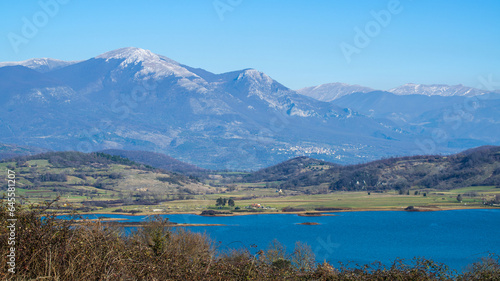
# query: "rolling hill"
480, 166
97, 180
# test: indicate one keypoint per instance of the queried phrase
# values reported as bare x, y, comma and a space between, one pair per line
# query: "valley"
104, 183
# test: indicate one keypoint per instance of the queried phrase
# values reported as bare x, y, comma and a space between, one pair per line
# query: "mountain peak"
136, 54
153, 65
255, 75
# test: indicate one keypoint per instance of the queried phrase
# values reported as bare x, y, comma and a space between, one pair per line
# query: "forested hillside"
480, 166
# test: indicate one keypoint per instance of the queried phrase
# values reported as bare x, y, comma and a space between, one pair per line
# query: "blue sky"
296, 42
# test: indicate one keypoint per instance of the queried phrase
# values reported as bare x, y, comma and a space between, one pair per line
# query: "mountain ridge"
437, 90
139, 55
333, 91
40, 64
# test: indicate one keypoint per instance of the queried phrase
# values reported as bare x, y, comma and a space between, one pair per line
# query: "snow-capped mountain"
40, 65
152, 65
131, 98
332, 91
463, 114
436, 90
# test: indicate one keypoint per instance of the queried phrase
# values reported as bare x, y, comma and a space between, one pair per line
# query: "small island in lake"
308, 223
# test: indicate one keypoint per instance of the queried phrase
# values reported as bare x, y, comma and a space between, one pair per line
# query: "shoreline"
126, 223
301, 213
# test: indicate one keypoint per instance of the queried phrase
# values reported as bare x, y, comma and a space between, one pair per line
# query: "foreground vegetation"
53, 249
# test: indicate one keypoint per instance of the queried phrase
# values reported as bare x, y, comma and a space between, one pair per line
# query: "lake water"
456, 238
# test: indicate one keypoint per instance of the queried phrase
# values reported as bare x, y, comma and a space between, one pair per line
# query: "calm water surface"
456, 238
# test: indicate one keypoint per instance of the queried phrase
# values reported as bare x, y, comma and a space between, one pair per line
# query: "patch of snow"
192, 86
301, 113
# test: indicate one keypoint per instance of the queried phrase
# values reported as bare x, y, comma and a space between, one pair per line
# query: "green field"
434, 200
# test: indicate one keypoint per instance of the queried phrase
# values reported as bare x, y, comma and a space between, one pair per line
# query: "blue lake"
456, 238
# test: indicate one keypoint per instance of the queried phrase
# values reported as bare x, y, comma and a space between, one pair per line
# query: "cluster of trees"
53, 177
221, 202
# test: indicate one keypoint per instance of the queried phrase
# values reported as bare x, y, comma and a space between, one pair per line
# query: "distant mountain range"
134, 99
437, 90
333, 91
41, 65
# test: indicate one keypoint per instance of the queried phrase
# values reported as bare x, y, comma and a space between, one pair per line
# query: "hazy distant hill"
480, 166
12, 150
157, 160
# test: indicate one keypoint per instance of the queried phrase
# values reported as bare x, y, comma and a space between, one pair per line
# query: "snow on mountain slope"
332, 91
153, 65
40, 65
436, 90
